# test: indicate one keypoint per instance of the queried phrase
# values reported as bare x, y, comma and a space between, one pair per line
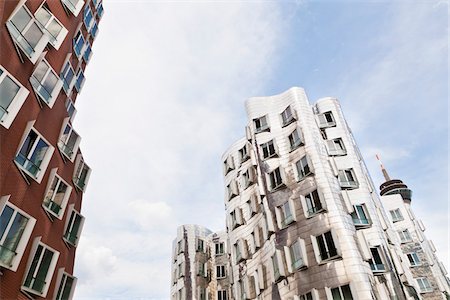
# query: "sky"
164, 98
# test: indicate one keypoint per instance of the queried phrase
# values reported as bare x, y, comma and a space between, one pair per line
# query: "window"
68, 76
347, 179
80, 80
200, 245
359, 215
424, 285
15, 230
312, 203
243, 154
285, 214
57, 195
88, 18
94, 30
236, 218
405, 236
303, 168
307, 296
326, 246
414, 259
295, 139
66, 286
396, 215
222, 295
41, 267
268, 149
51, 26
237, 252
180, 269
34, 155
278, 266
100, 10
336, 147
248, 177
74, 6
341, 293
81, 174
220, 248
87, 52
71, 110
261, 124
253, 205
294, 256
287, 116
376, 262
202, 293
26, 33
180, 246
69, 141
46, 83
276, 180
74, 227
228, 164
220, 272
326, 120
78, 44
202, 269
12, 96
232, 189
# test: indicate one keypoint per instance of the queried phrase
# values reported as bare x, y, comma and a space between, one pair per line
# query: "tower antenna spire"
385, 173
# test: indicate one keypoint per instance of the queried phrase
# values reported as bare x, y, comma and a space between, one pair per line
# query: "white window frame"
360, 217
405, 236
414, 259
312, 203
33, 54
39, 87
45, 160
293, 263
278, 266
244, 154
70, 106
270, 148
55, 41
9, 113
424, 285
219, 248
232, 190
62, 142
51, 269
378, 261
336, 147
202, 269
345, 179
287, 116
68, 228
52, 177
303, 167
63, 75
261, 124
275, 179
61, 279
79, 166
285, 214
21, 245
76, 41
79, 85
295, 139
73, 8
317, 252
329, 292
94, 30
228, 164
201, 245
396, 215
88, 50
326, 120
221, 271
88, 26
222, 295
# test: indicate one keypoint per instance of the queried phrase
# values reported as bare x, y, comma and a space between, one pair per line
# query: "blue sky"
164, 98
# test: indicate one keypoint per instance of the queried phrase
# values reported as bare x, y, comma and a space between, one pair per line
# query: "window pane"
54, 28
39, 152
43, 16
347, 292
34, 263
335, 293
4, 219
21, 19
41, 274
50, 82
33, 35
8, 90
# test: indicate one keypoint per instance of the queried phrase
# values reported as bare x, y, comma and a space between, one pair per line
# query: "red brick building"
45, 46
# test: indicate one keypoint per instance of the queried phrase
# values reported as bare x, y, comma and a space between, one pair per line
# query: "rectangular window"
424, 285
396, 215
26, 33
220, 248
46, 83
69, 141
228, 164
87, 52
326, 120
220, 272
295, 139
66, 287
80, 80
232, 189
12, 96
88, 18
237, 252
359, 216
81, 174
347, 179
222, 295
303, 168
202, 269
414, 259
200, 245
51, 26
285, 214
74, 6
57, 195
100, 10
405, 236
268, 149
94, 30
276, 180
376, 262
313, 203
68, 77
73, 228
336, 147
287, 116
296, 255
71, 110
15, 230
326, 246
40, 271
261, 124
243, 154
307, 296
34, 155
341, 293
78, 43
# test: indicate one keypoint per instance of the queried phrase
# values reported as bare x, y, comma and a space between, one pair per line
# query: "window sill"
278, 187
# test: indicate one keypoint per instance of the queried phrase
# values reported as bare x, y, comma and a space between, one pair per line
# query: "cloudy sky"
164, 98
